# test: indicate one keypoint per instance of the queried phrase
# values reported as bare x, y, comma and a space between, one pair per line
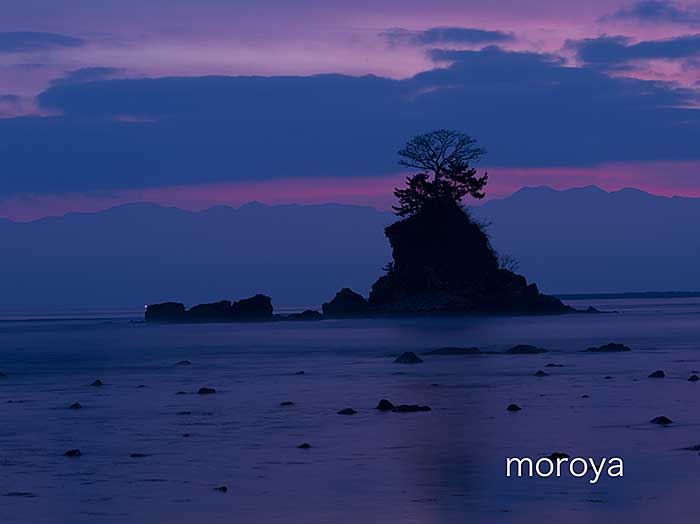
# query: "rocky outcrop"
443, 263
307, 314
409, 357
608, 348
346, 303
258, 307
525, 349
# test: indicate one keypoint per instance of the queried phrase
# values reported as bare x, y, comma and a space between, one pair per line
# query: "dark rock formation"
75, 405
346, 303
608, 348
557, 455
184, 363
97, 383
206, 391
347, 411
384, 405
693, 378
585, 396
552, 365
286, 403
221, 489
541, 373
408, 358
525, 349
305, 445
258, 307
513, 407
210, 312
308, 314
137, 455
165, 312
443, 263
661, 421
657, 374
410, 408
72, 453
454, 351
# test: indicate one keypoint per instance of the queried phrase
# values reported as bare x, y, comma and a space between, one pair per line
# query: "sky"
197, 103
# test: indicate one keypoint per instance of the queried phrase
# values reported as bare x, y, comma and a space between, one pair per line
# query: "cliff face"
443, 262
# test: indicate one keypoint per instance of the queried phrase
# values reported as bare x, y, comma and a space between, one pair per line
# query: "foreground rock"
608, 348
408, 358
454, 351
206, 391
513, 407
347, 411
72, 453
384, 405
443, 263
346, 303
258, 307
525, 349
97, 383
693, 378
657, 374
75, 405
541, 373
661, 421
304, 445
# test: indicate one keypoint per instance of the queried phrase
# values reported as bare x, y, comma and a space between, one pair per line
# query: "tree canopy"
445, 160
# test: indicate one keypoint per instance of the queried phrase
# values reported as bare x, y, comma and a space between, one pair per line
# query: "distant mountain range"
574, 241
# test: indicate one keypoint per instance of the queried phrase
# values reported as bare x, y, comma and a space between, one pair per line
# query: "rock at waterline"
72, 453
661, 421
184, 363
557, 455
693, 378
585, 396
657, 374
299, 373
384, 405
286, 403
206, 391
346, 303
513, 407
221, 489
165, 312
305, 445
308, 314
97, 383
410, 408
75, 405
608, 348
454, 351
550, 365
137, 455
525, 349
347, 411
541, 373
408, 358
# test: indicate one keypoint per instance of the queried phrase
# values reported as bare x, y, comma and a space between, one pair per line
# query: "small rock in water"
513, 407
384, 405
72, 453
221, 489
98, 383
206, 391
347, 411
550, 365
607, 377
585, 396
286, 403
410, 408
75, 405
691, 448
557, 455
186, 435
137, 455
184, 413
181, 393
525, 349
184, 363
693, 378
657, 374
608, 348
541, 373
299, 373
305, 445
662, 420
454, 351
409, 357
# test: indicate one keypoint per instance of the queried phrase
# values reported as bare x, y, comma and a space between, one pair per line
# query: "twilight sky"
199, 102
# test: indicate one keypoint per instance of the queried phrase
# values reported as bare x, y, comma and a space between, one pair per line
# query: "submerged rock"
585, 396
384, 405
693, 378
184, 363
525, 349
454, 351
409, 357
346, 303
657, 374
206, 391
305, 445
137, 455
75, 405
410, 408
513, 407
662, 420
286, 403
608, 348
72, 453
347, 411
550, 365
97, 383
541, 373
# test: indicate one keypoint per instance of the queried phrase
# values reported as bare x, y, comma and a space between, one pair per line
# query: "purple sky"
563, 67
